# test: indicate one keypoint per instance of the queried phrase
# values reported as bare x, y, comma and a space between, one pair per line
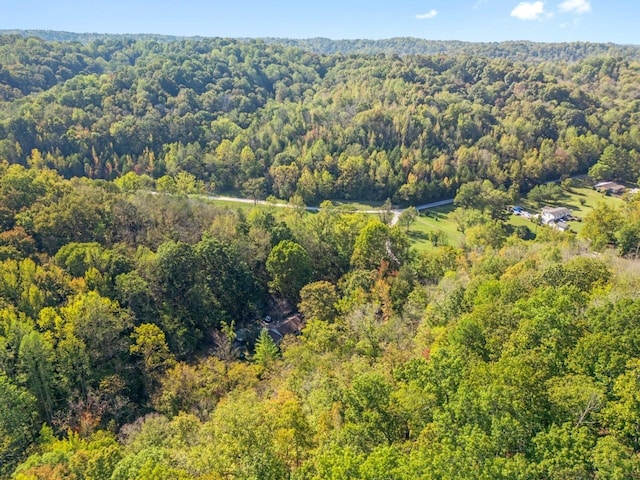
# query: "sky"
469, 20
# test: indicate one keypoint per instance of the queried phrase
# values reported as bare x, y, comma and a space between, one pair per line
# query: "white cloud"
427, 16
576, 6
529, 10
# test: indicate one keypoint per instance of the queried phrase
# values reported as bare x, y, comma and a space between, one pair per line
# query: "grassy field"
580, 200
434, 220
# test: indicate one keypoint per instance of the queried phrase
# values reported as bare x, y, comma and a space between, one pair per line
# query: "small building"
610, 187
553, 214
562, 226
292, 325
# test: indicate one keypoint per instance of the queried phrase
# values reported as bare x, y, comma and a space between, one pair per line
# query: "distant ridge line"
515, 50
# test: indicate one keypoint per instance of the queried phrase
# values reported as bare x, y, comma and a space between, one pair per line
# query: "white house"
553, 214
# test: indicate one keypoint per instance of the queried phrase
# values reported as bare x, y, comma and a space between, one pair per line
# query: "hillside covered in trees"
139, 320
131, 345
512, 50
268, 119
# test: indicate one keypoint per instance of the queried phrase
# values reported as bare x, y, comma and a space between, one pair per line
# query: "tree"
228, 278
490, 234
17, 423
622, 415
628, 239
407, 217
601, 225
255, 188
290, 268
187, 306
565, 452
93, 339
150, 345
36, 358
266, 351
377, 243
615, 163
483, 196
614, 460
318, 301
546, 193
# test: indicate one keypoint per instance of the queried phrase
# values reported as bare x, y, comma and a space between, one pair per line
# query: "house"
553, 214
292, 325
610, 187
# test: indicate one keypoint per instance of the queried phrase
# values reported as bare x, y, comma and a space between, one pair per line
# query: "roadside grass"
358, 206
236, 205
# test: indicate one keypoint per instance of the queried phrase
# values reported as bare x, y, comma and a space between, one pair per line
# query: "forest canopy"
263, 118
148, 332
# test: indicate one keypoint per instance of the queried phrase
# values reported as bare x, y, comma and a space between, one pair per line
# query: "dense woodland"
512, 50
132, 344
268, 119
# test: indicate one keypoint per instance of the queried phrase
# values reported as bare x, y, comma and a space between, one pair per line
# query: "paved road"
396, 211
439, 203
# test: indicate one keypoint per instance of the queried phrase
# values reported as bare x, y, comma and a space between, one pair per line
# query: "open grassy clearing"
581, 200
433, 220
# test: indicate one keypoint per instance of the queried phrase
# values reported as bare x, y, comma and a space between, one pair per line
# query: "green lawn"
581, 201
433, 220
589, 196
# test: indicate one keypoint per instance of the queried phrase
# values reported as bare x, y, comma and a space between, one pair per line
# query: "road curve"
396, 212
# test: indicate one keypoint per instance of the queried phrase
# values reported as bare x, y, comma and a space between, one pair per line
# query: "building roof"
555, 211
610, 186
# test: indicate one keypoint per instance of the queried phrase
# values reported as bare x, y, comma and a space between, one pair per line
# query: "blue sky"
470, 20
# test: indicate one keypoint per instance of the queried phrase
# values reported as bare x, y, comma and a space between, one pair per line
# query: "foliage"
268, 117
130, 320
290, 268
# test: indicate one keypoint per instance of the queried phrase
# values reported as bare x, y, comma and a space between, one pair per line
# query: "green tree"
290, 268
600, 225
17, 423
483, 196
318, 301
377, 243
255, 188
266, 351
150, 345
36, 359
407, 217
490, 234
